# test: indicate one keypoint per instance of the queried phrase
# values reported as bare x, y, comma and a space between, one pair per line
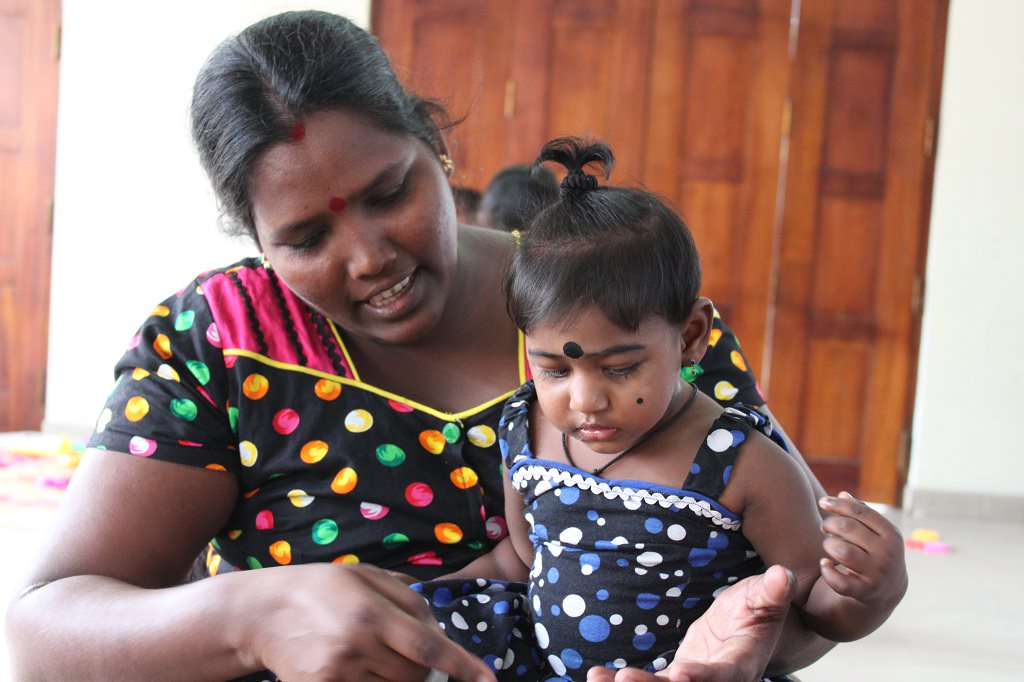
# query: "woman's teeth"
383, 297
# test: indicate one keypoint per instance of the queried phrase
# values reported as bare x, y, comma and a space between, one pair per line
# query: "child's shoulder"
761, 464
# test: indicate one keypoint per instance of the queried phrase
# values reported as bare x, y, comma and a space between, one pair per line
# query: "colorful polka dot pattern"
619, 572
330, 470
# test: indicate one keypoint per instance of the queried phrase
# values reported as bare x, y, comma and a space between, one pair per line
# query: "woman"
332, 403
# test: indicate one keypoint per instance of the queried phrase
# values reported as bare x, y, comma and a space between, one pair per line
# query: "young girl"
632, 498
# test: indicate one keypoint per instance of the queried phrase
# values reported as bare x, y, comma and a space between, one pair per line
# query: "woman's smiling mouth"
384, 298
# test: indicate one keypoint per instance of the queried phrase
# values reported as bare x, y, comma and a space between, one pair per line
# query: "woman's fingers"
415, 636
429, 647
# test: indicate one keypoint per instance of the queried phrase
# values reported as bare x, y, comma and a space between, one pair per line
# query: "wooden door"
714, 131
29, 43
690, 96
456, 52
796, 147
844, 344
521, 73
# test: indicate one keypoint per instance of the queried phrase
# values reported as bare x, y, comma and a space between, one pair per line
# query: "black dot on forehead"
572, 350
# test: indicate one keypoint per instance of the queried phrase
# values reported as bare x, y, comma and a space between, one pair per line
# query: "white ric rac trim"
543, 478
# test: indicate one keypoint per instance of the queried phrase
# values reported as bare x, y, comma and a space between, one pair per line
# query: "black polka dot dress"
621, 568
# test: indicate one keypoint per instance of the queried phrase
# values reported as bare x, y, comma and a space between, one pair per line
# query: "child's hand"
867, 551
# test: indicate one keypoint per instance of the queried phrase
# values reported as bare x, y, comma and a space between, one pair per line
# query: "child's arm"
510, 559
781, 520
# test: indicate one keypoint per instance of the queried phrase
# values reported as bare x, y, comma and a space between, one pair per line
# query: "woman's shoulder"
254, 311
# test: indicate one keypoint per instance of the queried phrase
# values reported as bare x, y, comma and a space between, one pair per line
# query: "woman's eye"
388, 198
309, 243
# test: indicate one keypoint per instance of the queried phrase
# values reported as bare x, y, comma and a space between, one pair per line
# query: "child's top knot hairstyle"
620, 249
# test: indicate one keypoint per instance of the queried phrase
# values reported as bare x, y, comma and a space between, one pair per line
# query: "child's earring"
264, 261
691, 370
447, 165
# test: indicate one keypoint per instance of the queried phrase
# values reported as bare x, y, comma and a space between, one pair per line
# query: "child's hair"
516, 194
619, 249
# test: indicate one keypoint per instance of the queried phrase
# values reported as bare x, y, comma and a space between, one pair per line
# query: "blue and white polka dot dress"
621, 568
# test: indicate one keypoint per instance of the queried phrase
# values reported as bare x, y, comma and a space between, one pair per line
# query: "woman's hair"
619, 249
516, 194
256, 87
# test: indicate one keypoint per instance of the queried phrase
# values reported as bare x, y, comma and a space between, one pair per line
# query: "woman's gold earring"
264, 262
447, 165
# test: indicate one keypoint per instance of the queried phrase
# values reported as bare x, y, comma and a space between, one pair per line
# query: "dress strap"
514, 425
711, 468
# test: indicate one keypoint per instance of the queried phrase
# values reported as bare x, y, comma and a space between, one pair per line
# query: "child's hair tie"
578, 182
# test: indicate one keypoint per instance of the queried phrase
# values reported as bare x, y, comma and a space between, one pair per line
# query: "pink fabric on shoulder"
237, 328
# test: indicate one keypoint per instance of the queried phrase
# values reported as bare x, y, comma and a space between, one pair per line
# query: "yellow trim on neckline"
357, 383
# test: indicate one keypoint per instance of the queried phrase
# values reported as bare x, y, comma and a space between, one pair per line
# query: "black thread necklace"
658, 428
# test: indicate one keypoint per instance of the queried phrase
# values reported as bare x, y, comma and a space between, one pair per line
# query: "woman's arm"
104, 599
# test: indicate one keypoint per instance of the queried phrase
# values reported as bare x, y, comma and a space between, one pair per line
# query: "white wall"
134, 218
968, 432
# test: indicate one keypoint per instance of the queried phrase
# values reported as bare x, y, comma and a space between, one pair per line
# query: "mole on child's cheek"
572, 350
639, 401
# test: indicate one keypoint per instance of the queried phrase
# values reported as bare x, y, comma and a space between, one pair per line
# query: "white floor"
962, 618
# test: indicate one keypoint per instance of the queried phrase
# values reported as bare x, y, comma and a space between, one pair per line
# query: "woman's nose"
367, 253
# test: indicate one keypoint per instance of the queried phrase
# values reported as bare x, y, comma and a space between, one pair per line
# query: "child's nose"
587, 396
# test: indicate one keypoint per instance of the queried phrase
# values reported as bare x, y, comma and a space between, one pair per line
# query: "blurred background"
851, 170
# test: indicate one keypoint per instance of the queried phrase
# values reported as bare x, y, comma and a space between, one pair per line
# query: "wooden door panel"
718, 90
456, 52
598, 56
845, 332
28, 94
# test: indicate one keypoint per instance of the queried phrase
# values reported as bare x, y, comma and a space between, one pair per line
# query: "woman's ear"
696, 330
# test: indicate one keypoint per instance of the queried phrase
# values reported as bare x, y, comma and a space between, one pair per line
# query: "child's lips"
595, 433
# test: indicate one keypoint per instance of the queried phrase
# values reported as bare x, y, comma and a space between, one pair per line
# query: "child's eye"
621, 372
554, 373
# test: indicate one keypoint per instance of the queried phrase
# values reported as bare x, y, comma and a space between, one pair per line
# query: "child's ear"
696, 330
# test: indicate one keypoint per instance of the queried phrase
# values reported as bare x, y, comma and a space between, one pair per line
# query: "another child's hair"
622, 250
516, 194
255, 87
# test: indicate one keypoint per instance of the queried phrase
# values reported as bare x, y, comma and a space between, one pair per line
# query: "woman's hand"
866, 550
732, 641
330, 622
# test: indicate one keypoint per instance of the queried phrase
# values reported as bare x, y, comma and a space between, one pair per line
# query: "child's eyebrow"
613, 350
